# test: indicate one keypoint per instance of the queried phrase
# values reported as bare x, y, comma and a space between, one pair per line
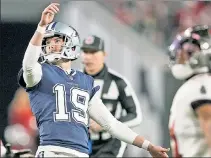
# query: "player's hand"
94, 127
48, 14
158, 151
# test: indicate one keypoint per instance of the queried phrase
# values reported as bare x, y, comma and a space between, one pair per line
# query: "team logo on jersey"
89, 40
203, 90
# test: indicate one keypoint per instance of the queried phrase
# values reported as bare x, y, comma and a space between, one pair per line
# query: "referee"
116, 93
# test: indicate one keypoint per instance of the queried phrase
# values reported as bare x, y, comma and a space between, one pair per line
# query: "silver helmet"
70, 49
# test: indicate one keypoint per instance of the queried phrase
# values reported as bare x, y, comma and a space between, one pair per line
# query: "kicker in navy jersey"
60, 101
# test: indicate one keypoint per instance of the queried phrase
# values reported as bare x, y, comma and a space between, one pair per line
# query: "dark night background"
14, 41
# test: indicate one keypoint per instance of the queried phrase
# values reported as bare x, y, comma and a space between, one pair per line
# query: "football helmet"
70, 49
190, 52
204, 31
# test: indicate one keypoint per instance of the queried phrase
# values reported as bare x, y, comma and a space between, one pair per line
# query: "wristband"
145, 144
40, 29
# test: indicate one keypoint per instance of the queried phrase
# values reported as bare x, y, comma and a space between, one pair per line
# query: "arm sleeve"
130, 103
98, 112
32, 70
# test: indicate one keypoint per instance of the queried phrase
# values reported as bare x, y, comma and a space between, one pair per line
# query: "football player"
116, 93
62, 99
190, 116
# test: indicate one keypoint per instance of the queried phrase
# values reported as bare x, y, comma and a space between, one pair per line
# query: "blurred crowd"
160, 20
22, 129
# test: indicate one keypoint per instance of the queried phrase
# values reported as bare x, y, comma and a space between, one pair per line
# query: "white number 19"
79, 99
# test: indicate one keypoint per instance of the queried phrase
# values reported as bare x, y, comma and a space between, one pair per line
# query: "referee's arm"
130, 103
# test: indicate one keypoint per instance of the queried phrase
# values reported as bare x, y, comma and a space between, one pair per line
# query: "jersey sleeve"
22, 83
94, 89
130, 103
20, 79
35, 78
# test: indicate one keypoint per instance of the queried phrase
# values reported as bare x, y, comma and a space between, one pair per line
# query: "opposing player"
61, 98
190, 117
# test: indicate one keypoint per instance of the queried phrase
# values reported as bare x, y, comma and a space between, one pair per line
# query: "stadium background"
136, 35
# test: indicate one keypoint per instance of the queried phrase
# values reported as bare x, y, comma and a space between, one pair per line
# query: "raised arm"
32, 72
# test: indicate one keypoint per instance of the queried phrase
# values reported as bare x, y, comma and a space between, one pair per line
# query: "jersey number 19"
79, 99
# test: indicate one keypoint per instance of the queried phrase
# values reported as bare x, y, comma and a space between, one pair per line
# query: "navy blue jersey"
59, 102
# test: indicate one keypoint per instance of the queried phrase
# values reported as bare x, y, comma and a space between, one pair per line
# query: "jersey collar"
70, 72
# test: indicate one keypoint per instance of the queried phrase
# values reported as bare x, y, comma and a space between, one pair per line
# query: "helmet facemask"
190, 53
181, 51
67, 50
64, 54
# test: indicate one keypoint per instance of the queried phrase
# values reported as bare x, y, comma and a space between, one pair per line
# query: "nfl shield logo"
89, 40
